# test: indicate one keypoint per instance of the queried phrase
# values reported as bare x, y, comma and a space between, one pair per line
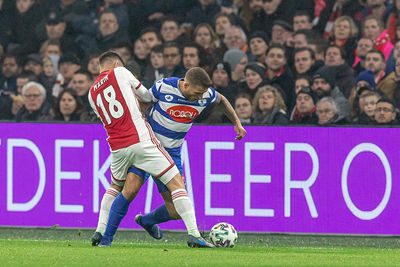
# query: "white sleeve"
138, 88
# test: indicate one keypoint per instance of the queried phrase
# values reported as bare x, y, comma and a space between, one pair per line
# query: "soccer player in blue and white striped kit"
177, 103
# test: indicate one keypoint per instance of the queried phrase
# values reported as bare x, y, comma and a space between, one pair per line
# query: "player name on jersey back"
113, 100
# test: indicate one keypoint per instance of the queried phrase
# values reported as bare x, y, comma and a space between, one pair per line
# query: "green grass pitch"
71, 247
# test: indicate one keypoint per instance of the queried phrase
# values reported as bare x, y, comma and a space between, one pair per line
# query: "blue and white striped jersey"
173, 114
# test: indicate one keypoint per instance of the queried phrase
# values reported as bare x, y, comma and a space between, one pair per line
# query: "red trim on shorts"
116, 178
138, 86
167, 169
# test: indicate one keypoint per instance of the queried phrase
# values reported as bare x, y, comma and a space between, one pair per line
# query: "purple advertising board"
277, 179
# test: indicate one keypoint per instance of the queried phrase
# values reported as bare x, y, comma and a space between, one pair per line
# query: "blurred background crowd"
279, 62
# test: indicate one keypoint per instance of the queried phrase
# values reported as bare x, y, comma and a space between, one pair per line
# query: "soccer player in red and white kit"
132, 142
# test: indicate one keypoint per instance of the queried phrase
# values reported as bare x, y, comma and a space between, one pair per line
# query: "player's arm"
231, 114
138, 88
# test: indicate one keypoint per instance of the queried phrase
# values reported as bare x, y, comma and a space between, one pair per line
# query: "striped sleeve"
213, 95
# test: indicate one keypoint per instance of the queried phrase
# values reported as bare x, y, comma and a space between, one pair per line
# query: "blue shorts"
175, 154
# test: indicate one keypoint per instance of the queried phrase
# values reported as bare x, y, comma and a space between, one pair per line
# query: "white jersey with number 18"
113, 99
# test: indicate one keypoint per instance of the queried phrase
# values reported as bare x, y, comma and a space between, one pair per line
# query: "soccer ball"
223, 235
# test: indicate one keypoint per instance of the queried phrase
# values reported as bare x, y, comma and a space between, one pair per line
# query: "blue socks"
159, 215
118, 211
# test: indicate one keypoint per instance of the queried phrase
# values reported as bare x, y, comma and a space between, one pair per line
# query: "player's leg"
165, 212
121, 159
160, 165
105, 206
120, 207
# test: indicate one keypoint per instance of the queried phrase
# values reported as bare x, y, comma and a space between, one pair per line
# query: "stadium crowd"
279, 62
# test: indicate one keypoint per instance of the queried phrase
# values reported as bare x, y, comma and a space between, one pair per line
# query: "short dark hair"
27, 74
157, 49
302, 13
279, 46
199, 77
110, 55
124, 45
302, 49
387, 100
200, 52
173, 44
170, 18
154, 30
341, 50
378, 52
84, 72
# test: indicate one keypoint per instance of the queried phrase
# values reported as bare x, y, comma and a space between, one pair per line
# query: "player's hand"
241, 132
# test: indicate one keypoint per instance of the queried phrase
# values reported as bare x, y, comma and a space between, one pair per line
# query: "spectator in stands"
364, 79
238, 60
171, 31
367, 117
394, 55
22, 79
364, 45
344, 33
48, 78
126, 52
255, 78
155, 71
304, 111
273, 10
69, 107
205, 36
172, 60
269, 107
301, 38
235, 38
335, 57
333, 10
140, 53
203, 13
396, 97
35, 107
33, 63
51, 48
300, 82
5, 25
10, 68
93, 66
27, 16
258, 42
328, 112
150, 37
302, 21
385, 112
222, 22
281, 32
56, 30
392, 21
109, 34
243, 108
323, 84
67, 66
221, 77
278, 73
193, 55
81, 82
304, 62
358, 104
377, 8
375, 62
373, 28
319, 45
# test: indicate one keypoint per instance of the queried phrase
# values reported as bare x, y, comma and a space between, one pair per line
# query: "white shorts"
146, 155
